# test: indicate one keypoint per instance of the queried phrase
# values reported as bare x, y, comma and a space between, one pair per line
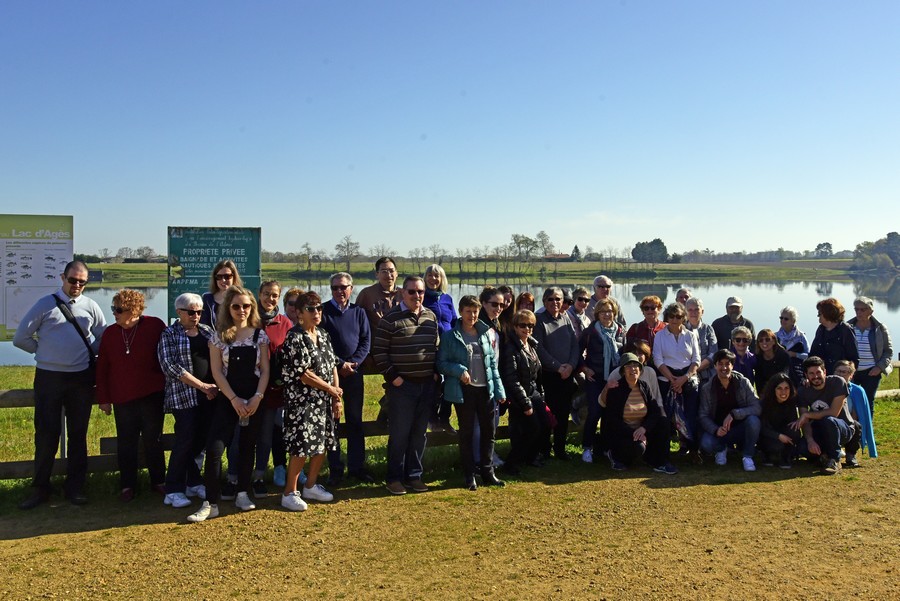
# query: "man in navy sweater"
351, 338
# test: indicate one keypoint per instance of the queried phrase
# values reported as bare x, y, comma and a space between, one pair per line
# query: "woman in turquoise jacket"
472, 383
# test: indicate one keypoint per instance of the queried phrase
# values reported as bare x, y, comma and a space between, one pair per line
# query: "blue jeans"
743, 433
594, 411
191, 432
831, 433
409, 408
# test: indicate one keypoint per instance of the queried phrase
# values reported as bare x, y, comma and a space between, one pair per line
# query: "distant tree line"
881, 255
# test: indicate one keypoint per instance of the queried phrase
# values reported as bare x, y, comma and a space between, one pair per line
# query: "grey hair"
688, 290
602, 279
741, 330
790, 311
865, 300
188, 300
341, 274
551, 290
694, 301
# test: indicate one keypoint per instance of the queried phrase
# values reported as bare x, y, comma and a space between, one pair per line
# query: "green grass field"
154, 274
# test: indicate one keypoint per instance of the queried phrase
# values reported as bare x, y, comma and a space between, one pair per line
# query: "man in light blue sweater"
63, 379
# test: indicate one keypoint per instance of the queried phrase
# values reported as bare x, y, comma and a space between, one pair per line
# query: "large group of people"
246, 380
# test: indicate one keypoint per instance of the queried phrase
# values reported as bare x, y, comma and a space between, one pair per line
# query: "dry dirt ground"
707, 533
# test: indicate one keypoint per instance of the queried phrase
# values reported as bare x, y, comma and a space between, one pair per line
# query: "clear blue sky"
727, 125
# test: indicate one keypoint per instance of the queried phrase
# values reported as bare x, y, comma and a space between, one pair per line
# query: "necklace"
129, 339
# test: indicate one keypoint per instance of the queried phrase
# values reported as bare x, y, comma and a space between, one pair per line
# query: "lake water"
763, 302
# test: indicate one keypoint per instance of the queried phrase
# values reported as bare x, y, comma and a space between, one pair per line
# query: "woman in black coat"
520, 371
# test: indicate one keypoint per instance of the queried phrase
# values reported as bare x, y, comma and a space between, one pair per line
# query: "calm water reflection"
762, 301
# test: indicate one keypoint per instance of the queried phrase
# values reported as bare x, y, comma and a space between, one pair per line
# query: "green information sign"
34, 250
194, 251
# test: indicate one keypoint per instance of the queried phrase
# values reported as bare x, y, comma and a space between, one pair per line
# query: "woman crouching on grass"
466, 359
777, 439
239, 360
635, 424
312, 402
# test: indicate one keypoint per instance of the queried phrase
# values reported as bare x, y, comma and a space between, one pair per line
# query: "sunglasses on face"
495, 304
192, 312
339, 287
414, 292
118, 310
742, 341
783, 318
238, 306
76, 281
527, 326
313, 308
604, 286
289, 303
582, 299
224, 276
649, 308
554, 299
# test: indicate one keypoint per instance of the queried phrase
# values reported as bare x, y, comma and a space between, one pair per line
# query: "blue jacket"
859, 404
441, 305
453, 359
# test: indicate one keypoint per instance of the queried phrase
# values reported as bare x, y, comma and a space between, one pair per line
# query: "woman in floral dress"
312, 402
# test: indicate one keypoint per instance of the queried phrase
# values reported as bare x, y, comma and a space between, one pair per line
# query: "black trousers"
140, 419
526, 435
558, 396
53, 392
191, 434
476, 405
224, 420
352, 386
626, 450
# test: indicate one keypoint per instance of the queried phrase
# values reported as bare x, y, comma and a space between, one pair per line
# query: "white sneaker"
587, 456
317, 493
243, 502
206, 511
176, 499
293, 502
749, 466
722, 457
196, 491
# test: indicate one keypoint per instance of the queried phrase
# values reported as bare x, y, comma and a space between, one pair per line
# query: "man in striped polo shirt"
404, 350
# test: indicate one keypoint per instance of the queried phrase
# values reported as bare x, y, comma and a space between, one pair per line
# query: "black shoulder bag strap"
67, 313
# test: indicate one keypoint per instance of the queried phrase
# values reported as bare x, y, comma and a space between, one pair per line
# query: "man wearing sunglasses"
404, 348
63, 379
348, 327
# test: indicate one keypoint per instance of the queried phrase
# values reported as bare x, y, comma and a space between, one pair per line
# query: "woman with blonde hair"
239, 360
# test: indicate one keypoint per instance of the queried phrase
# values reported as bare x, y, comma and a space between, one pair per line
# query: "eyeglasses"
604, 286
495, 304
583, 299
339, 287
224, 276
118, 310
238, 306
313, 308
783, 318
676, 317
386, 271
76, 281
527, 326
553, 299
649, 308
414, 292
192, 312
741, 340
288, 303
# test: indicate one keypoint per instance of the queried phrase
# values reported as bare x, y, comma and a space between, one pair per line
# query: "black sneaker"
229, 491
259, 489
